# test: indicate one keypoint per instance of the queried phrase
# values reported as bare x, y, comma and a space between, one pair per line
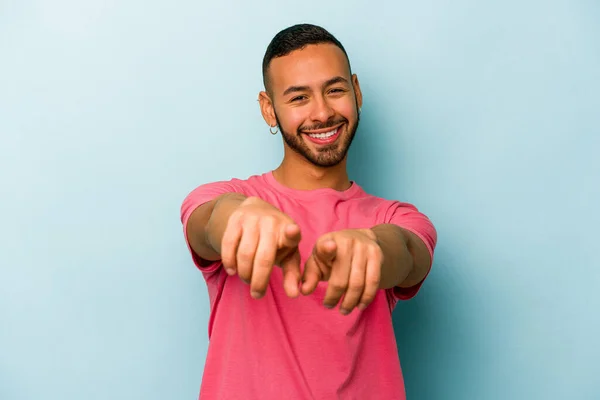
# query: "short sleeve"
410, 218
199, 196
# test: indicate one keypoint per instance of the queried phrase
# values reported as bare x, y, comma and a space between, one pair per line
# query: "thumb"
311, 276
290, 236
291, 274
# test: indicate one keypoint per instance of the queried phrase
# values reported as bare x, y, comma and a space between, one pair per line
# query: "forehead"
309, 66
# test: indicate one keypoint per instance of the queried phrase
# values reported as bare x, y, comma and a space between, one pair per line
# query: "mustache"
328, 124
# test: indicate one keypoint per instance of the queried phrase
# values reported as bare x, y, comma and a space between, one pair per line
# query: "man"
303, 267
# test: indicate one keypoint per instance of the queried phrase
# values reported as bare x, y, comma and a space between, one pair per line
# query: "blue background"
483, 114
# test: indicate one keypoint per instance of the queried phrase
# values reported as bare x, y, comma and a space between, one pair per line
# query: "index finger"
230, 242
337, 284
263, 260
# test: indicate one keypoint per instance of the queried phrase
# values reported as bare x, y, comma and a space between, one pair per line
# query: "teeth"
323, 135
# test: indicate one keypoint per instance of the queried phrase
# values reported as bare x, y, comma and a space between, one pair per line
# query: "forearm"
207, 223
222, 209
401, 266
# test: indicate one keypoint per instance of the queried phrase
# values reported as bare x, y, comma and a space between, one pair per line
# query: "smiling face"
314, 100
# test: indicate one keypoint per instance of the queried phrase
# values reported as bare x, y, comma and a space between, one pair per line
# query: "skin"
309, 91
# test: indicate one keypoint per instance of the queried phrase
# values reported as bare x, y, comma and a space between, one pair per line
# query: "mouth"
324, 136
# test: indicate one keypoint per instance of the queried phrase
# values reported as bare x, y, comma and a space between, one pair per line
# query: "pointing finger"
263, 260
337, 284
372, 279
247, 249
356, 283
230, 242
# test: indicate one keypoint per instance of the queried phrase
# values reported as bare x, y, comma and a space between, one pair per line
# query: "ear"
357, 91
266, 108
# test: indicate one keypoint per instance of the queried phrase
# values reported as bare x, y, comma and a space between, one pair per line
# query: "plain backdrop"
483, 114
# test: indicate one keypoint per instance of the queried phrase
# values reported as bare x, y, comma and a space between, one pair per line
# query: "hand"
350, 261
257, 237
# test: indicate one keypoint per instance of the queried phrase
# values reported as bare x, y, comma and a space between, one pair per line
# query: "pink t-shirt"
278, 348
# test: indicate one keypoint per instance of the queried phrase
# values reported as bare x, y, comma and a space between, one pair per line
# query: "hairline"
268, 65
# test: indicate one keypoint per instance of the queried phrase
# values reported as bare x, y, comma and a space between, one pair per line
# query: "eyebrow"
332, 81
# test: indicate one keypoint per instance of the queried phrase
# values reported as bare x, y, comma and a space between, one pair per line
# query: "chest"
316, 219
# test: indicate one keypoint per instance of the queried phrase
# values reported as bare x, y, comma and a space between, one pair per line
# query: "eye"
337, 90
298, 98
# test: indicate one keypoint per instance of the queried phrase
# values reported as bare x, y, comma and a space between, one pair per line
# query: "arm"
207, 224
356, 263
249, 236
406, 259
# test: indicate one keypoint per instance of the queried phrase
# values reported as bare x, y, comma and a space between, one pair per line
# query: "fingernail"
361, 307
230, 271
329, 306
256, 294
343, 311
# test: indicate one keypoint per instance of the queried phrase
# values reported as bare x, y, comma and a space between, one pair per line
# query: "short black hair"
297, 37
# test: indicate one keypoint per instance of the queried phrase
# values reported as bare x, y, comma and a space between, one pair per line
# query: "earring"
271, 130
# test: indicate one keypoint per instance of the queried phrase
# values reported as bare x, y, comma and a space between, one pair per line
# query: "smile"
326, 137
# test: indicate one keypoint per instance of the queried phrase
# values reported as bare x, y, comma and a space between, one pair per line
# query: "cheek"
293, 119
346, 109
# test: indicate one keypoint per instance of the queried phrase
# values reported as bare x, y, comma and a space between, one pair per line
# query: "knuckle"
254, 199
373, 281
236, 216
356, 287
250, 219
339, 286
250, 200
227, 242
355, 291
345, 243
269, 220
263, 262
360, 251
244, 255
367, 299
375, 250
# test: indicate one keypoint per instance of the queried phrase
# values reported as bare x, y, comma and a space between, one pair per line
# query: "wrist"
371, 233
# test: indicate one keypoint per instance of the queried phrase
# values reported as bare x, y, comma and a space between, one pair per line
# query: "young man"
303, 267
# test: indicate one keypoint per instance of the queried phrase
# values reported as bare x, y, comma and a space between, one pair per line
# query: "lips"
325, 137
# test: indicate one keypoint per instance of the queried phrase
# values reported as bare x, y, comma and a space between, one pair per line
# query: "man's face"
315, 102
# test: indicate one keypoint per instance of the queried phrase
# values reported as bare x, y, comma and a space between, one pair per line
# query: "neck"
300, 174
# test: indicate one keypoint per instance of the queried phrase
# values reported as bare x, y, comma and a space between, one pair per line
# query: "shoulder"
206, 192
381, 207
394, 211
232, 185
407, 216
216, 188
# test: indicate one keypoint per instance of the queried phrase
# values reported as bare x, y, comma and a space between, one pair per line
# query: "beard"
326, 156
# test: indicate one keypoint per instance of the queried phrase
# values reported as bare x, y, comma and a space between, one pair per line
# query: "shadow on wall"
435, 338
437, 330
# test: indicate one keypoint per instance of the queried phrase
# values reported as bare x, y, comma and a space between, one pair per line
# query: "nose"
322, 110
